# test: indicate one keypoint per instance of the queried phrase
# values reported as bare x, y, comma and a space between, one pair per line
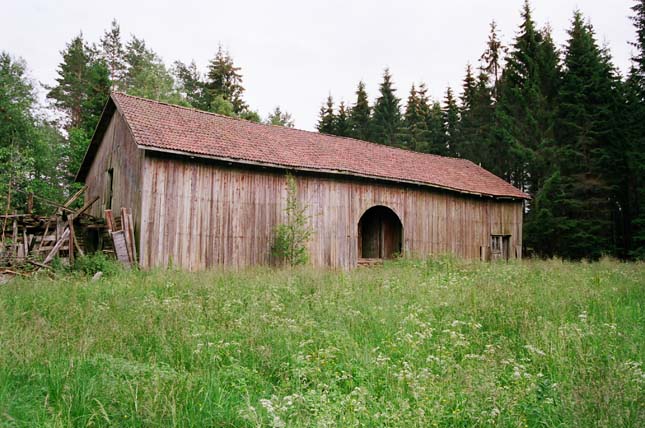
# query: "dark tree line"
561, 124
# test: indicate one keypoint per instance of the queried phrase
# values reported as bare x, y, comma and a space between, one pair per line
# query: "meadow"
413, 343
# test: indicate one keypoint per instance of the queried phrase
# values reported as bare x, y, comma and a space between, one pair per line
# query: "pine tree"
191, 84
415, 132
360, 115
113, 54
342, 125
71, 83
327, 120
451, 123
386, 119
225, 80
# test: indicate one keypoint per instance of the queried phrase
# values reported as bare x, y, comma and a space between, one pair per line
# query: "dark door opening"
380, 234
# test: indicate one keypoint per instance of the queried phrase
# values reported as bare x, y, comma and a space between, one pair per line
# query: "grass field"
413, 343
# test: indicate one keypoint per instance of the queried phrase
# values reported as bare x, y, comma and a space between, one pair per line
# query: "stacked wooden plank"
123, 237
29, 242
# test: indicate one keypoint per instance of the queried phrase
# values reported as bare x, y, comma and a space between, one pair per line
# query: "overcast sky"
294, 53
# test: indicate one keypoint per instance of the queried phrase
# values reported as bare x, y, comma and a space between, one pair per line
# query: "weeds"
437, 342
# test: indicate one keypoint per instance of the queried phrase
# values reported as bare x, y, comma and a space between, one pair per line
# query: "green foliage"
98, 262
415, 120
327, 118
147, 76
113, 54
342, 126
414, 343
225, 81
291, 237
30, 148
191, 85
280, 118
360, 115
386, 117
451, 124
220, 105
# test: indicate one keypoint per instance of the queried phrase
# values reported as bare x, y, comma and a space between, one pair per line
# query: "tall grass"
434, 343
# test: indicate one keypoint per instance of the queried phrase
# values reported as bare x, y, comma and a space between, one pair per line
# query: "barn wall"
197, 215
119, 152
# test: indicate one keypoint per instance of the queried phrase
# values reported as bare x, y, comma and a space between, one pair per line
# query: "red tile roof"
162, 126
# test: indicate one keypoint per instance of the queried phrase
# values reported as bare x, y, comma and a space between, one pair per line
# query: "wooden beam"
109, 220
59, 244
75, 196
86, 207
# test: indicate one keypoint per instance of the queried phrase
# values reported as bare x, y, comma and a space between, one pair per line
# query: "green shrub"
290, 245
97, 262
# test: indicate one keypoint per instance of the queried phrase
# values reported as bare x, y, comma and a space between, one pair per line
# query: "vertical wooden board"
227, 215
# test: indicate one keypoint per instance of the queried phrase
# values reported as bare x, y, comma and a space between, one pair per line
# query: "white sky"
293, 53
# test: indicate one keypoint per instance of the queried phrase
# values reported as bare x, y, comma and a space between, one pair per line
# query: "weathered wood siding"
197, 215
118, 152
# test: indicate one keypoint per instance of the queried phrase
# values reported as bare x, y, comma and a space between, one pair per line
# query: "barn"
207, 190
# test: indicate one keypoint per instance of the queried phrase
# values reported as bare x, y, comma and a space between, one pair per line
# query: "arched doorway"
380, 234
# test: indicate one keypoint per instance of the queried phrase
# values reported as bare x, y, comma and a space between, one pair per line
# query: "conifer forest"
561, 123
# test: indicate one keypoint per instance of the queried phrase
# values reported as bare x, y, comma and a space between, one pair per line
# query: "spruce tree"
386, 119
416, 133
113, 53
360, 115
477, 116
451, 123
327, 120
437, 141
525, 107
342, 125
635, 102
225, 80
492, 57
587, 145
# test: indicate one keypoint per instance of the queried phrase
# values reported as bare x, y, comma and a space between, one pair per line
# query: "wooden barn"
207, 190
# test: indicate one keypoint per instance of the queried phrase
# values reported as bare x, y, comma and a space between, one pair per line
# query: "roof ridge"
223, 116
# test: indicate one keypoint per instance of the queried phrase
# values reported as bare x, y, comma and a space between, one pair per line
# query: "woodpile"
30, 242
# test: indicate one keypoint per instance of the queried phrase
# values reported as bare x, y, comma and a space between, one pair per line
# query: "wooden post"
42, 241
30, 202
70, 221
109, 220
25, 243
6, 213
125, 226
14, 240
